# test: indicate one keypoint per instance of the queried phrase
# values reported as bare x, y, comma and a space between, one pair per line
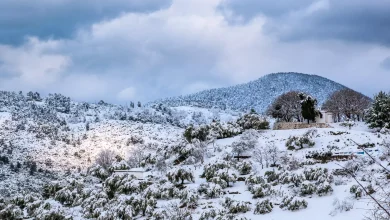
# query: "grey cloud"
386, 63
58, 19
348, 20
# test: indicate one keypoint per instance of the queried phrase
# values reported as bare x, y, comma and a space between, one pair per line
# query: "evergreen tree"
308, 106
139, 104
378, 115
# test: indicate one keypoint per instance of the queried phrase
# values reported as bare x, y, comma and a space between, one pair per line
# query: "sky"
130, 50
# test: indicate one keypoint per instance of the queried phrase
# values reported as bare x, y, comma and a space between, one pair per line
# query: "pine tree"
308, 105
139, 104
378, 115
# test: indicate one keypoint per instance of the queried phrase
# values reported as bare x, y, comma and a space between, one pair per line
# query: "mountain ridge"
258, 94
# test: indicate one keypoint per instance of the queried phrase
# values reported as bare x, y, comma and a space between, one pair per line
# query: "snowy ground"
115, 135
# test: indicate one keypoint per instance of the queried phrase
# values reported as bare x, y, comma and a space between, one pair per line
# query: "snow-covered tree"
378, 115
105, 158
180, 174
308, 107
286, 107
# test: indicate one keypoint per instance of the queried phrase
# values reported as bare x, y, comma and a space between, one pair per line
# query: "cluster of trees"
347, 103
296, 106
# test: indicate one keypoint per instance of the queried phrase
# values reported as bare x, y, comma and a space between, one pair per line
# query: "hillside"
49, 170
258, 94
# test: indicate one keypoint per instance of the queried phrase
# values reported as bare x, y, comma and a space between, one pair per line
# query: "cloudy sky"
121, 50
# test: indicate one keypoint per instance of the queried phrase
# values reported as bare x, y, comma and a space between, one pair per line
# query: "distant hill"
258, 94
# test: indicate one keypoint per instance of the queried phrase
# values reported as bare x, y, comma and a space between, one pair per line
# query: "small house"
139, 173
325, 117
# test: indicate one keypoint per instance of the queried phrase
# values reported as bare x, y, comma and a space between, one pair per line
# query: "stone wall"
298, 125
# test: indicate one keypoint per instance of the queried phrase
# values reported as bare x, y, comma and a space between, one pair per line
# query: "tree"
347, 103
139, 104
286, 107
179, 175
248, 140
105, 158
378, 115
308, 107
272, 153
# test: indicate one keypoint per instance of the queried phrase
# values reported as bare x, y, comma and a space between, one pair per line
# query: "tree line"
345, 105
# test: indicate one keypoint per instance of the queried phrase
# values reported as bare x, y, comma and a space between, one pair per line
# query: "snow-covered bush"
210, 190
189, 198
324, 189
219, 172
174, 212
224, 178
244, 168
234, 207
99, 172
293, 204
253, 180
320, 175
209, 214
341, 206
260, 191
307, 188
263, 207
356, 190
11, 212
253, 121
121, 165
271, 176
180, 174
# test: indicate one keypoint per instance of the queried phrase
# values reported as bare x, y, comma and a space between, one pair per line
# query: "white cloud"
127, 94
32, 63
184, 48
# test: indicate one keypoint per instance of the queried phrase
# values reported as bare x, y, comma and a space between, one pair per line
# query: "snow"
68, 158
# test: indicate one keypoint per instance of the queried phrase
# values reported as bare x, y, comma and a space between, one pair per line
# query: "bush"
234, 207
244, 168
260, 191
210, 190
356, 190
263, 207
293, 204
253, 121
308, 189
324, 189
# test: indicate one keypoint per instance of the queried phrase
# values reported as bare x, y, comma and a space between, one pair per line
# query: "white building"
325, 117
139, 173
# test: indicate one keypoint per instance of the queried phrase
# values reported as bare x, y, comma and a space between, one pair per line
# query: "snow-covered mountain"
258, 94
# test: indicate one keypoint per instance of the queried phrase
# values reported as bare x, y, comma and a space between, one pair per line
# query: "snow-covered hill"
49, 170
258, 94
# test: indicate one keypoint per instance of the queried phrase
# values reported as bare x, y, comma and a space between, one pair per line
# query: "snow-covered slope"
258, 94
290, 169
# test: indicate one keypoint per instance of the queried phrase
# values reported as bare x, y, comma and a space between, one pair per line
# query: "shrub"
324, 189
234, 207
210, 190
253, 121
356, 190
308, 189
263, 207
244, 168
293, 204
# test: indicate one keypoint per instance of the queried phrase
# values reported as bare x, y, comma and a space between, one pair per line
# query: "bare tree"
105, 158
286, 107
272, 153
259, 156
136, 156
347, 103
